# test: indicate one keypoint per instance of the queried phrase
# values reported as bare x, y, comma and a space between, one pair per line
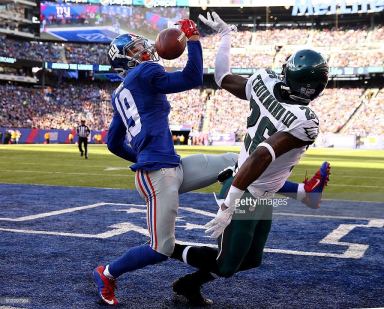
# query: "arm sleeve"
116, 141
190, 77
222, 61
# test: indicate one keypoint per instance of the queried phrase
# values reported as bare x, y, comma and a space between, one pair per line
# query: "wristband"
233, 196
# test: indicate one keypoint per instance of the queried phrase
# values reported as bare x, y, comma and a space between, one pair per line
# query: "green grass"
356, 175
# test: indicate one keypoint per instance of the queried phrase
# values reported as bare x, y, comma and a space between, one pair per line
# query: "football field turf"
356, 175
62, 215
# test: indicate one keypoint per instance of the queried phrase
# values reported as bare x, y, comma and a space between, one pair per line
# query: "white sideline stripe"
322, 216
64, 211
71, 165
339, 185
130, 175
352, 201
70, 173
70, 29
47, 233
353, 250
349, 176
117, 229
190, 209
59, 186
209, 214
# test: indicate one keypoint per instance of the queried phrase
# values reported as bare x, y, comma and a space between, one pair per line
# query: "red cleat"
106, 287
314, 187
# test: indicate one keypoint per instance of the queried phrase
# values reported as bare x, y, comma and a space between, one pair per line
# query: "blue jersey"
141, 111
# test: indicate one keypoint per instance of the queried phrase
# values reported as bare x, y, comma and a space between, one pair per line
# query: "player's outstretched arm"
255, 165
234, 84
266, 152
192, 74
117, 140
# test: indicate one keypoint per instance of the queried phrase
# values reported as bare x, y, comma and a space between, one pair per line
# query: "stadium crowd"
370, 117
208, 111
59, 108
250, 49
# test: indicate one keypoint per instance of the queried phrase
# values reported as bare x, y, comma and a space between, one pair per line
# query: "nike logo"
109, 302
316, 184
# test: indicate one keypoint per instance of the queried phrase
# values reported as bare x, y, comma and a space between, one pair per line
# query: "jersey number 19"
127, 109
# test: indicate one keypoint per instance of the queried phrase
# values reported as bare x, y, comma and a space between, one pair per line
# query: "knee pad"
231, 157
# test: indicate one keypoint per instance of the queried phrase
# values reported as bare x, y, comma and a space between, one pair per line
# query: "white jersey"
267, 117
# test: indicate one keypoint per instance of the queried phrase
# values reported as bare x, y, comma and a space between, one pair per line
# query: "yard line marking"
116, 168
198, 211
354, 250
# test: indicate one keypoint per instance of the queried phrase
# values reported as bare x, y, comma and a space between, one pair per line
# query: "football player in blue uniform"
139, 132
140, 118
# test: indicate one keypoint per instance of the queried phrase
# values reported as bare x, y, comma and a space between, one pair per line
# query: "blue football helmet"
128, 50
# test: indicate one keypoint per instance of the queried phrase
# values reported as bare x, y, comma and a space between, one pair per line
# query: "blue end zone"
53, 237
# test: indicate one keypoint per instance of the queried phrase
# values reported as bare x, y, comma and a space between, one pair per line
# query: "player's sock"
289, 189
107, 273
203, 258
300, 192
135, 258
226, 184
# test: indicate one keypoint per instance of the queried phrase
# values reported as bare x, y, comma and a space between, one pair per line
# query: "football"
170, 43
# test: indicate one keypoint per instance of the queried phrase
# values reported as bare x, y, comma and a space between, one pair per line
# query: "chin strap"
293, 97
299, 99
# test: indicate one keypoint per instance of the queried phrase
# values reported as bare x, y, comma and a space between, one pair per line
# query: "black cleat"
227, 173
81, 154
191, 291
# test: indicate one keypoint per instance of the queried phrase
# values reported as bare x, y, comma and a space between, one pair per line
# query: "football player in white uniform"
280, 127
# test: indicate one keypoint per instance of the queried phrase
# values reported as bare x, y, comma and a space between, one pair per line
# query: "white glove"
216, 226
217, 23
